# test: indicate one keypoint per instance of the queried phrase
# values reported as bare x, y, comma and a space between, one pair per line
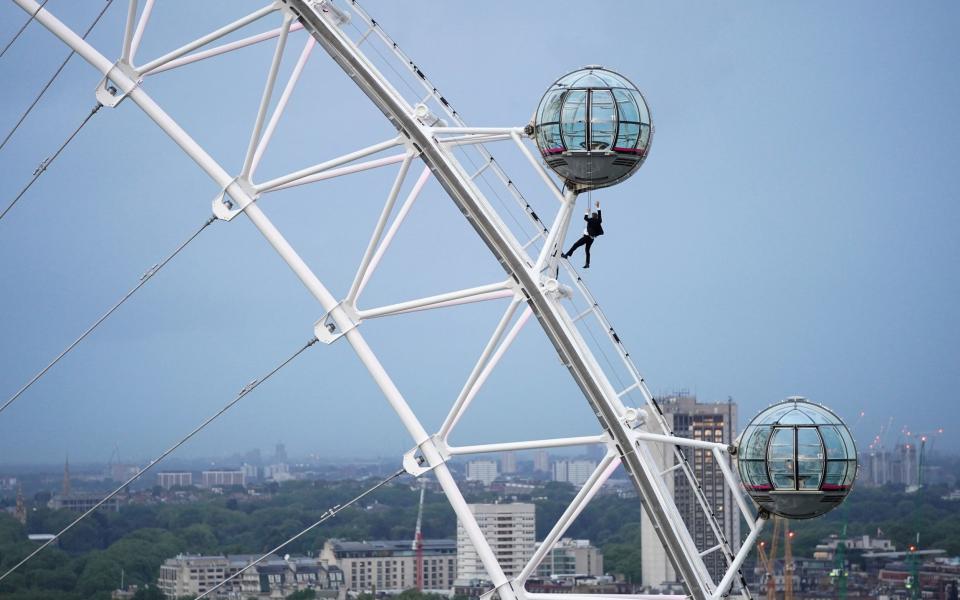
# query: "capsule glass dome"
593, 128
797, 459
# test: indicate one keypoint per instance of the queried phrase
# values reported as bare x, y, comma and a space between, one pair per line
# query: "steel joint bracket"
555, 289
336, 323
415, 462
231, 201
124, 79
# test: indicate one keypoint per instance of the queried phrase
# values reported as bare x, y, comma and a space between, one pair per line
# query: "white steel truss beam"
584, 440
349, 170
597, 478
284, 98
324, 166
141, 27
206, 39
378, 229
265, 98
222, 49
572, 349
456, 409
474, 294
474, 384
392, 231
303, 272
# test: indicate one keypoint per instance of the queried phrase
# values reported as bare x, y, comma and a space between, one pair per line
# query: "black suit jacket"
594, 227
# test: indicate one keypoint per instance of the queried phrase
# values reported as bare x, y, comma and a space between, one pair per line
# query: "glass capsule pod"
593, 128
797, 459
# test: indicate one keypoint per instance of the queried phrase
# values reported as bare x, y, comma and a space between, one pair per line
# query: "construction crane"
769, 559
418, 540
788, 565
839, 572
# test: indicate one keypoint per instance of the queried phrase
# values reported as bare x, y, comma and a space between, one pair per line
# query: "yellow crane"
768, 559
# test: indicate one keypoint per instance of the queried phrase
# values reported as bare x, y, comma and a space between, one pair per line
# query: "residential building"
170, 479
274, 577
390, 566
510, 530
222, 478
572, 557
508, 463
573, 471
541, 461
482, 470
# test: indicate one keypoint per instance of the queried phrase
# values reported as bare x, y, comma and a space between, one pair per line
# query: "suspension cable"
330, 513
243, 392
25, 25
143, 280
56, 73
48, 161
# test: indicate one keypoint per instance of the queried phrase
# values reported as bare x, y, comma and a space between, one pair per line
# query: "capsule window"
603, 120
809, 459
781, 459
574, 120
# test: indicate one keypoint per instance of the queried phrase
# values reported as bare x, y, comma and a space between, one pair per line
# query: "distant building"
389, 566
171, 479
250, 472
572, 557
121, 472
713, 422
511, 531
274, 577
508, 462
277, 472
280, 454
222, 478
541, 461
82, 502
573, 471
482, 470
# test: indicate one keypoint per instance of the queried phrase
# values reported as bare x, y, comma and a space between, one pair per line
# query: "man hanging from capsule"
590, 232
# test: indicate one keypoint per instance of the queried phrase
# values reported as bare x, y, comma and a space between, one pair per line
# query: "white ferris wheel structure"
426, 138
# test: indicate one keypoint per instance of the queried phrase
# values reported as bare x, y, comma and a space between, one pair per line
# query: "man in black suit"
591, 231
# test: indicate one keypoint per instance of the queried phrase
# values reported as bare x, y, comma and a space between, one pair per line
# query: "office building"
713, 422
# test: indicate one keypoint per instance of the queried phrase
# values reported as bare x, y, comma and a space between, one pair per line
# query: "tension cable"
25, 25
55, 74
143, 280
49, 160
329, 514
243, 392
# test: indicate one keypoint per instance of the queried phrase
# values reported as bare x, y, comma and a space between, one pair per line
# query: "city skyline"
779, 255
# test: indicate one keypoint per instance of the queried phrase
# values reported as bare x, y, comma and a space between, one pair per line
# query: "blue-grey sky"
794, 230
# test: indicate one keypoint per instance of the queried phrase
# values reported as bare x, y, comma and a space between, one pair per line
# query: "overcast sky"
793, 232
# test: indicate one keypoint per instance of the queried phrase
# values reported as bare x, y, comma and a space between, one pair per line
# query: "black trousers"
585, 241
